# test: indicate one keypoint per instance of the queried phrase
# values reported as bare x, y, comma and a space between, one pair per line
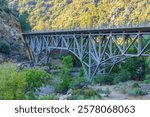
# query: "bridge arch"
98, 50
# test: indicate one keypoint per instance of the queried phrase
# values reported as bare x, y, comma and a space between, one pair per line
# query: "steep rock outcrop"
10, 31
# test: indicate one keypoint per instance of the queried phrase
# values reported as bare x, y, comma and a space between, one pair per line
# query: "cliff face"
11, 47
9, 26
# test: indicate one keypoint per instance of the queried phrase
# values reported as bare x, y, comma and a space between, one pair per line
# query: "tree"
147, 78
23, 18
65, 73
12, 82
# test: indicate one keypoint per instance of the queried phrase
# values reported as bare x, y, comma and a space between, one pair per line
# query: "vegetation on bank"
15, 84
4, 46
62, 14
23, 84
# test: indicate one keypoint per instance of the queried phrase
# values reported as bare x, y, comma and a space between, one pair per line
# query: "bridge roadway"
98, 50
90, 31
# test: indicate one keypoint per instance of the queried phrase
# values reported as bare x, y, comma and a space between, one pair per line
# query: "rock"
46, 68
65, 97
104, 95
69, 92
46, 91
10, 31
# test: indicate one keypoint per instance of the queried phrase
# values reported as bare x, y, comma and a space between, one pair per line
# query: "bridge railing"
139, 25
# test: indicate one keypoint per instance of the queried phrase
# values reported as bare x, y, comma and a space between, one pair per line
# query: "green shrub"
12, 83
35, 78
104, 91
90, 93
85, 94
148, 62
136, 92
122, 76
30, 95
136, 67
4, 47
81, 72
147, 79
63, 86
51, 97
136, 85
78, 83
77, 97
103, 79
6, 9
16, 84
65, 74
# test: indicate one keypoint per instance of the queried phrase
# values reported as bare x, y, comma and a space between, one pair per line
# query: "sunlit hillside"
54, 14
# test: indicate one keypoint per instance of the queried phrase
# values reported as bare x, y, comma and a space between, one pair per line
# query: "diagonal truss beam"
96, 52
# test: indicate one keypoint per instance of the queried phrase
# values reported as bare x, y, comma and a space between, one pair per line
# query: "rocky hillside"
54, 14
11, 48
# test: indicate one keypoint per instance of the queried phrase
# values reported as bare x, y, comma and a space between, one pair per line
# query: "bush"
81, 72
51, 97
65, 74
12, 83
78, 83
148, 62
122, 76
136, 92
16, 84
103, 79
136, 85
136, 67
85, 94
35, 78
4, 47
147, 79
104, 91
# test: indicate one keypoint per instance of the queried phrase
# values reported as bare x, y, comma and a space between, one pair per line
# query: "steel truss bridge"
98, 50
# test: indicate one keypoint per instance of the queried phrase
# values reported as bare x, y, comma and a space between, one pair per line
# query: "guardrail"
144, 25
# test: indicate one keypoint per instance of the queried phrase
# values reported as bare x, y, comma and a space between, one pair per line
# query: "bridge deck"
98, 50
90, 31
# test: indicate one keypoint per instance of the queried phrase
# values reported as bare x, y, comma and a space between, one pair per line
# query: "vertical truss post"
97, 52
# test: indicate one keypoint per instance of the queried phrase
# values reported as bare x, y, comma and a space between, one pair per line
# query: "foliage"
81, 72
50, 97
136, 92
12, 82
54, 14
23, 18
148, 62
122, 87
36, 78
16, 84
78, 83
122, 76
85, 94
65, 74
4, 47
147, 78
103, 79
136, 67
30, 95
104, 91
136, 85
